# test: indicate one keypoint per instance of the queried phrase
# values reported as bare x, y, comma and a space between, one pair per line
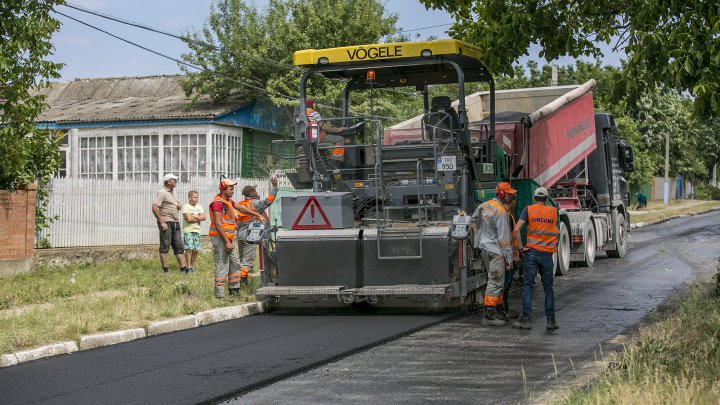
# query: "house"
138, 128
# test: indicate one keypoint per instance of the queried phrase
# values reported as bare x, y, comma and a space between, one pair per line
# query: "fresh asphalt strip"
203, 364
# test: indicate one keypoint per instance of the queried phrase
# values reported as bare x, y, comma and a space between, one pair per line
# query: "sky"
88, 53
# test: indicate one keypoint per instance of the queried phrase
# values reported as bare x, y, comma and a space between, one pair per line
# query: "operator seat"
442, 120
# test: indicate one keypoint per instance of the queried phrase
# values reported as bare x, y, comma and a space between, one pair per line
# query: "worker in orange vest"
493, 237
223, 214
542, 240
252, 202
324, 128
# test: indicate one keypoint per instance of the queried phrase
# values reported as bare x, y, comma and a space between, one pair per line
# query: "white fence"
104, 212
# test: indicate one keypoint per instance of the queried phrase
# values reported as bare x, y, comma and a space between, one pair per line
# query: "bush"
707, 193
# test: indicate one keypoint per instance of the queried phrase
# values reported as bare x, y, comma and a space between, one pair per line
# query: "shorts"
172, 236
191, 240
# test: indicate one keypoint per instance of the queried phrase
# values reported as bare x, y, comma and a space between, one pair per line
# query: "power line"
427, 28
170, 34
199, 68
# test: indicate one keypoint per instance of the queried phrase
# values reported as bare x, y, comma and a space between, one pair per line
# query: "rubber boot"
491, 318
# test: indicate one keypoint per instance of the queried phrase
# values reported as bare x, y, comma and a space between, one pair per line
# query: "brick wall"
17, 229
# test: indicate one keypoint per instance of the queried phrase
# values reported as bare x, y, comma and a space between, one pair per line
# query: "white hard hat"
541, 192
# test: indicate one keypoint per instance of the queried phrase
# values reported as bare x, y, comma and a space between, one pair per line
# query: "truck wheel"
590, 245
563, 251
620, 237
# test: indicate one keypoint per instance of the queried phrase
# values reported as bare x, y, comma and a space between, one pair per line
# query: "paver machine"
390, 227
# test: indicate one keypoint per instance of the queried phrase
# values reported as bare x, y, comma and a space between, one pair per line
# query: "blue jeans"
535, 261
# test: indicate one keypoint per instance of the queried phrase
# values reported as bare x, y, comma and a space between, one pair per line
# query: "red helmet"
309, 103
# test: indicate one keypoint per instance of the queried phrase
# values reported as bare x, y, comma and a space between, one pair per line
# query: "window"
184, 155
64, 149
138, 157
227, 155
96, 157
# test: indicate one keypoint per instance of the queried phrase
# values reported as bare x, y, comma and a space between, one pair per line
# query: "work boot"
551, 324
234, 291
523, 322
491, 318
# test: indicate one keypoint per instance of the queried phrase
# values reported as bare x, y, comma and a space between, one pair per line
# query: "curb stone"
110, 338
46, 351
172, 325
8, 360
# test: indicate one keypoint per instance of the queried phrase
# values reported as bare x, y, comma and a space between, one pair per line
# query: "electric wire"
199, 68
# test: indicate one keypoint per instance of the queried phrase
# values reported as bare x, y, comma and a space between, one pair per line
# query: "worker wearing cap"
324, 128
257, 206
542, 240
493, 236
223, 215
165, 207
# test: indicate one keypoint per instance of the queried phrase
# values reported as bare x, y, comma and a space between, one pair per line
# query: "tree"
28, 153
251, 51
672, 43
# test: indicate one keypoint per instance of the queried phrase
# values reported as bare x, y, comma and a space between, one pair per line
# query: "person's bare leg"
193, 257
163, 259
181, 259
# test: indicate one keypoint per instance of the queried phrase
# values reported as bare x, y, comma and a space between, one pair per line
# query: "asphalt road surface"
384, 358
459, 361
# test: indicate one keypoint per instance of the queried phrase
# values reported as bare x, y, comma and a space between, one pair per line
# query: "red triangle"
313, 204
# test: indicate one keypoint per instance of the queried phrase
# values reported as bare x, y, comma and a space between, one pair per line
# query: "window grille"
227, 155
138, 157
96, 157
184, 155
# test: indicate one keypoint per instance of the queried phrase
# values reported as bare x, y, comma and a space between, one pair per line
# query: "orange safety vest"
542, 231
227, 220
241, 216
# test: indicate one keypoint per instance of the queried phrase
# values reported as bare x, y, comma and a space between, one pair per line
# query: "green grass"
656, 210
43, 306
675, 360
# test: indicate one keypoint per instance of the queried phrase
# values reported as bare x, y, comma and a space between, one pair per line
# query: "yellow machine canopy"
398, 64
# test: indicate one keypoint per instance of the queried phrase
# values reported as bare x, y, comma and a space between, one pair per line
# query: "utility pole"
554, 76
666, 187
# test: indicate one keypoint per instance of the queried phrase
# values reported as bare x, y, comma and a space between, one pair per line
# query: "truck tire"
620, 236
563, 251
589, 245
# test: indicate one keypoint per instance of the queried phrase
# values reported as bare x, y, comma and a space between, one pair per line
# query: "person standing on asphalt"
257, 206
493, 236
504, 310
165, 207
193, 214
542, 240
223, 215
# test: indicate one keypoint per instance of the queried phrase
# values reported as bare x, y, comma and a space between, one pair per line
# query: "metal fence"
98, 212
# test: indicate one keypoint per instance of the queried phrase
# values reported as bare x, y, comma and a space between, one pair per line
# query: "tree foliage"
252, 50
672, 43
27, 154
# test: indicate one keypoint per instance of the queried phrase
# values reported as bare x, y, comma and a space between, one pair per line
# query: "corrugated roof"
126, 99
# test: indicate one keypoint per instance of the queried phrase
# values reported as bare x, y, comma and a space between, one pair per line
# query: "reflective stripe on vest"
542, 232
227, 219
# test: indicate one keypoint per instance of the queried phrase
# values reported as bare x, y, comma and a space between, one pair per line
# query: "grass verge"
45, 306
675, 360
656, 210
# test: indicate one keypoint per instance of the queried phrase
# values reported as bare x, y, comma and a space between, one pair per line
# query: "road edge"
96, 340
657, 221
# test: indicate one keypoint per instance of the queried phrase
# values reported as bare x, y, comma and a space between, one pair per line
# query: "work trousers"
246, 250
495, 266
227, 267
535, 261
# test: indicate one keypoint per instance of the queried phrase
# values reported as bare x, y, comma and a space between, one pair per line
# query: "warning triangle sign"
312, 216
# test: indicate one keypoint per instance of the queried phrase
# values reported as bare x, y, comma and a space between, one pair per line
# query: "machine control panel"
460, 229
255, 233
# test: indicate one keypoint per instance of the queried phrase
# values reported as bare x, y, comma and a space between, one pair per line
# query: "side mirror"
629, 167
